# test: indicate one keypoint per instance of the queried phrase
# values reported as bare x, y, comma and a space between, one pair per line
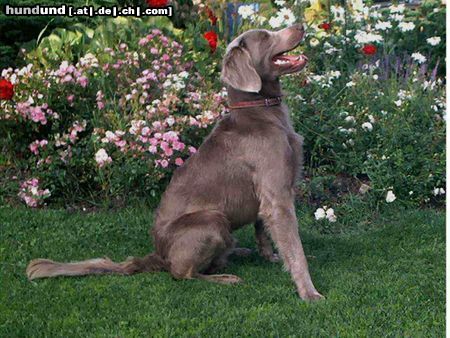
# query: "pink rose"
146, 131
83, 81
34, 147
142, 42
178, 145
67, 78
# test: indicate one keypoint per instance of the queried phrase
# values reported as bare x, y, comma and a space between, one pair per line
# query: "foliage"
17, 32
70, 44
392, 135
24, 32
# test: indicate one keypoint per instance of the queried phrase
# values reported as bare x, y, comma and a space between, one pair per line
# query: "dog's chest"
296, 154
242, 210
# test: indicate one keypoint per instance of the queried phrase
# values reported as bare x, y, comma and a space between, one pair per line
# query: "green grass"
385, 281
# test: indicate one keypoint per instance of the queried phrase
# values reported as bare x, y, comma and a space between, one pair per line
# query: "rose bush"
112, 124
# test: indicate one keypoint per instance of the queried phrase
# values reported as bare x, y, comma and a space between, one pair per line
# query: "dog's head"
258, 55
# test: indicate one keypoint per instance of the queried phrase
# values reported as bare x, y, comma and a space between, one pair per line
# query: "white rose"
367, 126
418, 57
319, 214
434, 40
390, 196
331, 217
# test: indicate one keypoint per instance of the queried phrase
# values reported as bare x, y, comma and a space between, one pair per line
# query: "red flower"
211, 37
6, 90
157, 3
211, 16
325, 26
369, 49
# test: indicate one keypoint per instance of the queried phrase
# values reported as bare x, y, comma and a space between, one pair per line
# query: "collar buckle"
266, 102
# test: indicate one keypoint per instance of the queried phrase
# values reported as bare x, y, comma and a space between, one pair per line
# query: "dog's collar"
267, 102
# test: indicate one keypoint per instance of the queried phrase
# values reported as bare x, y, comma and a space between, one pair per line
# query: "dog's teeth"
281, 62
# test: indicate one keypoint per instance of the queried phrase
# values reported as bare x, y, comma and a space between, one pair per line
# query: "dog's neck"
269, 89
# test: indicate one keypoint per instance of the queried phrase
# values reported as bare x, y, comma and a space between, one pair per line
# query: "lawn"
387, 280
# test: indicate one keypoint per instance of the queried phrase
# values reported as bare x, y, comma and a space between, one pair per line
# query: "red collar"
271, 101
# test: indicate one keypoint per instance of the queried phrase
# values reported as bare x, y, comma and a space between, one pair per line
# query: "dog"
244, 172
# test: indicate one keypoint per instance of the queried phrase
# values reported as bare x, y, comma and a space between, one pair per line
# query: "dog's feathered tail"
40, 268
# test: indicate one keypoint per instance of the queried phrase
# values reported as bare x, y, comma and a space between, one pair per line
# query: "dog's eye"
242, 44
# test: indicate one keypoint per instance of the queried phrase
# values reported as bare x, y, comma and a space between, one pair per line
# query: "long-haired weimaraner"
244, 172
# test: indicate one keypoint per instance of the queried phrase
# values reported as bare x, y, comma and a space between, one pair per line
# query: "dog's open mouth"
286, 61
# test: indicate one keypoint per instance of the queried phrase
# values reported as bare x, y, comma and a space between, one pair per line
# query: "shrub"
114, 124
375, 129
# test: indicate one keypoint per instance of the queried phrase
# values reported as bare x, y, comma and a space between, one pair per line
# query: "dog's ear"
238, 70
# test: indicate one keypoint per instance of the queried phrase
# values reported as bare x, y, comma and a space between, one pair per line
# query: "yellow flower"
314, 11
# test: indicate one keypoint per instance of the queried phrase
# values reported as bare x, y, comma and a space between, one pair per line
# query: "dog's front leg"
263, 241
280, 220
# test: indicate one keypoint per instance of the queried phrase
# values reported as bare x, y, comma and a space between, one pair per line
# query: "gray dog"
244, 172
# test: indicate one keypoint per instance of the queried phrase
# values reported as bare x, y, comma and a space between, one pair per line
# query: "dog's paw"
271, 257
311, 295
274, 258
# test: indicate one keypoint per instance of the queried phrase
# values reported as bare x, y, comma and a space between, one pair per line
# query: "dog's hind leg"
238, 251
199, 241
